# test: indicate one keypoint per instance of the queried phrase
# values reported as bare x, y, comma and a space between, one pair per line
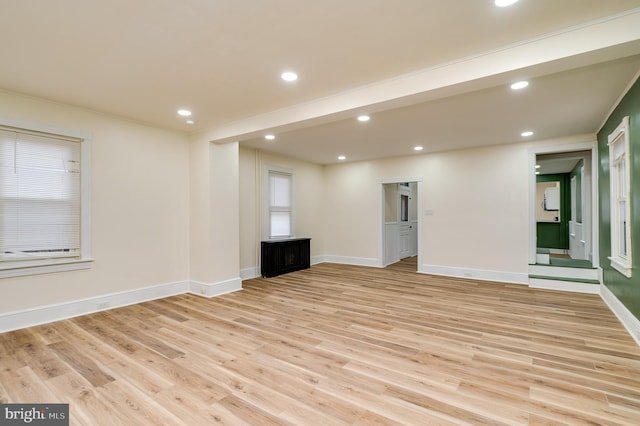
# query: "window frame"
269, 209
49, 265
620, 192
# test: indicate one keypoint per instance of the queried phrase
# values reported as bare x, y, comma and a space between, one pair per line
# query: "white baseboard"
347, 260
46, 314
254, 272
560, 285
628, 320
564, 272
215, 289
558, 251
477, 274
249, 273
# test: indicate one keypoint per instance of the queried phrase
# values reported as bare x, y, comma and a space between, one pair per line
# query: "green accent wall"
555, 235
627, 290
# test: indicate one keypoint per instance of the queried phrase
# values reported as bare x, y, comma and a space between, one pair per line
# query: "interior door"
577, 240
404, 227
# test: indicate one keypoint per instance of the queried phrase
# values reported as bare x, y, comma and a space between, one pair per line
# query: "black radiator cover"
282, 256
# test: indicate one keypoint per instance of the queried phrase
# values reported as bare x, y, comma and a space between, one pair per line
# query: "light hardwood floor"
336, 345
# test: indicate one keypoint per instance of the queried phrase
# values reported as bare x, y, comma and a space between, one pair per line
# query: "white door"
577, 243
404, 227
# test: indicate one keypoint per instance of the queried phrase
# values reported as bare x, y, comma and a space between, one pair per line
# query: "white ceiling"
429, 72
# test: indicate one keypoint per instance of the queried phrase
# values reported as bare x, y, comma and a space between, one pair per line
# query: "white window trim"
620, 136
85, 261
266, 203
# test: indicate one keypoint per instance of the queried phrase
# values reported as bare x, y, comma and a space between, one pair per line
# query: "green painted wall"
627, 290
555, 235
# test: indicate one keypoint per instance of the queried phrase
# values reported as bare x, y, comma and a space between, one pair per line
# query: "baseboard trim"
215, 289
249, 273
628, 320
561, 285
347, 260
46, 314
476, 274
254, 271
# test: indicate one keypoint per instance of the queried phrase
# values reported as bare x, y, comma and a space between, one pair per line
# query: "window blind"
39, 196
279, 204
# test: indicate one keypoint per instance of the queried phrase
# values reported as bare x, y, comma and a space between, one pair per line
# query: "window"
404, 208
280, 221
619, 176
42, 211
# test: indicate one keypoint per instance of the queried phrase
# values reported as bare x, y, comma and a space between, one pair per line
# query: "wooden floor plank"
337, 345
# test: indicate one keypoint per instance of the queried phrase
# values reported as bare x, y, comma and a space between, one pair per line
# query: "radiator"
283, 256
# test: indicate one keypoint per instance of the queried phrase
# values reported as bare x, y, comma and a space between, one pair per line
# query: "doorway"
399, 236
564, 212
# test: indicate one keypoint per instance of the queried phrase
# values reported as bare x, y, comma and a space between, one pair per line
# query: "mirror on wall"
548, 201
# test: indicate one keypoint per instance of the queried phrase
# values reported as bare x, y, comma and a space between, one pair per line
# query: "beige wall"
139, 203
214, 211
308, 198
480, 204
391, 202
224, 196
479, 199
413, 206
250, 216
199, 209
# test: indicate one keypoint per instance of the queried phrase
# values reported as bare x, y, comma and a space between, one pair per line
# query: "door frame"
557, 149
404, 225
381, 222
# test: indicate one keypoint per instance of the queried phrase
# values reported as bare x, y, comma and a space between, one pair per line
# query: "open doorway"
399, 235
563, 208
563, 196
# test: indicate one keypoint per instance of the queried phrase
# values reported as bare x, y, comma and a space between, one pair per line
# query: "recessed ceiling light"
364, 118
504, 3
526, 133
289, 76
342, 157
519, 85
537, 172
184, 112
537, 166
418, 148
190, 122
269, 137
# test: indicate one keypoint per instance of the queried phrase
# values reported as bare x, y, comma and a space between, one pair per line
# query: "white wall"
308, 199
250, 212
478, 198
214, 215
139, 204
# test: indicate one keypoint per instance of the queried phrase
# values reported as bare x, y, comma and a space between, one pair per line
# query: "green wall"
555, 235
627, 290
